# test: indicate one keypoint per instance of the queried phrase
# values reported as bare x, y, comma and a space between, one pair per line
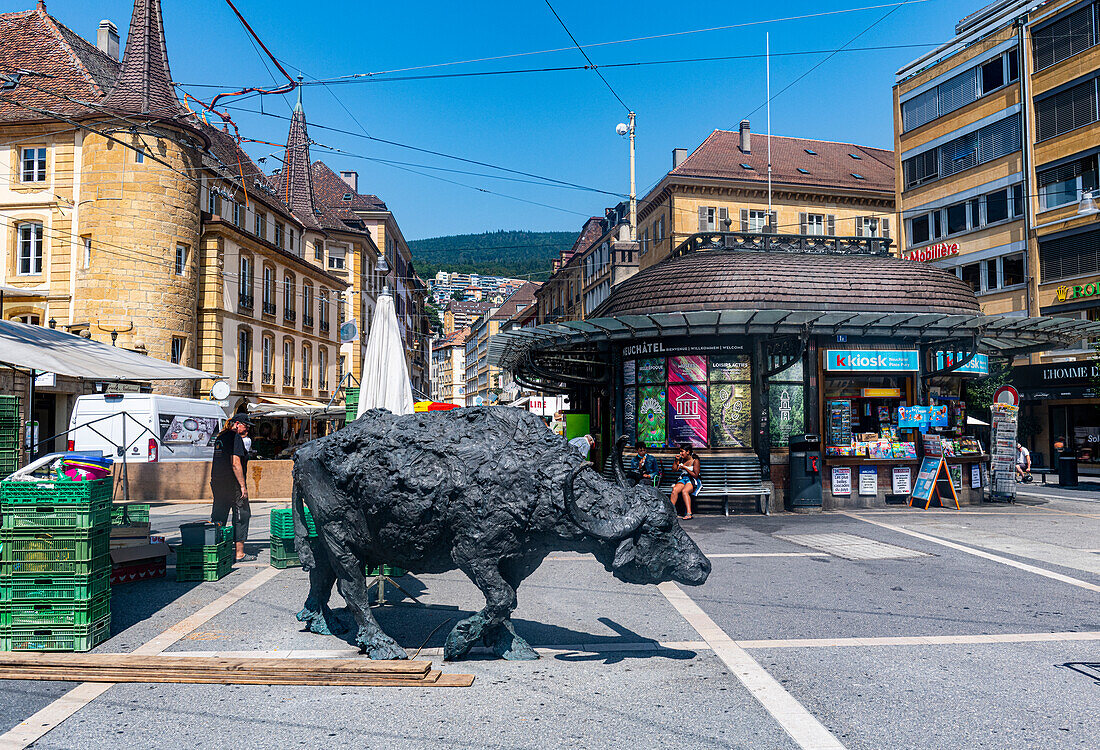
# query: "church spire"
144, 82
297, 173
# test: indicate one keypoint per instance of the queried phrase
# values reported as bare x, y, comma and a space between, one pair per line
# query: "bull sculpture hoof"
462, 638
507, 645
322, 622
378, 645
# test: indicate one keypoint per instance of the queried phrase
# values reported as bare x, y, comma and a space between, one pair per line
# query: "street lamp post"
627, 128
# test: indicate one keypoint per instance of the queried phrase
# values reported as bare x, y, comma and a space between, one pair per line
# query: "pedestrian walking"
228, 481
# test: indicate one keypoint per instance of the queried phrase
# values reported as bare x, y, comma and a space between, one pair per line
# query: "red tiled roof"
468, 307
590, 232
294, 182
225, 149
330, 188
830, 166
144, 82
455, 339
522, 297
69, 67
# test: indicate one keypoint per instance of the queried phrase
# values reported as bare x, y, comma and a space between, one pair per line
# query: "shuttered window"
969, 150
921, 168
1065, 183
920, 109
1065, 111
960, 90
1071, 256
999, 139
1064, 38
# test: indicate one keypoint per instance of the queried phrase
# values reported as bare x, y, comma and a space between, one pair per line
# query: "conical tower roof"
144, 83
296, 176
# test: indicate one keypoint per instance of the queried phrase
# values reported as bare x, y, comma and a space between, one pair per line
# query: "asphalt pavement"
976, 628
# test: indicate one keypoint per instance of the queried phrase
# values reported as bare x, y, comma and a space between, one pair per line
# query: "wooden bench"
723, 477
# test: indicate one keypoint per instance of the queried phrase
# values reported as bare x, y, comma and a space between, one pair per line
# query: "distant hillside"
515, 254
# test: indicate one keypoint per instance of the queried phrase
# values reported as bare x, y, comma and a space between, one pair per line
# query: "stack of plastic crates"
283, 553
351, 403
9, 435
211, 562
55, 571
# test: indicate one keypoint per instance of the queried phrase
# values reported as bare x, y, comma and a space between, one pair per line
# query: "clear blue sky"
554, 124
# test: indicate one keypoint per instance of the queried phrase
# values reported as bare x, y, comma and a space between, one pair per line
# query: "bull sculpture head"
651, 546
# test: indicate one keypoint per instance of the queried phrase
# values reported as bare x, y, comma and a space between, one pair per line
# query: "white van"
175, 429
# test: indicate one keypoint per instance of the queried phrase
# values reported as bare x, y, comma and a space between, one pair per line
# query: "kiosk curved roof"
741, 280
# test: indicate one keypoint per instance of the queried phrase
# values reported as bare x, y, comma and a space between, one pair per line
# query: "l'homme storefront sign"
1058, 380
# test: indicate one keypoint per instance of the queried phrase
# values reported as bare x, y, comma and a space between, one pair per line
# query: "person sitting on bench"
643, 467
688, 484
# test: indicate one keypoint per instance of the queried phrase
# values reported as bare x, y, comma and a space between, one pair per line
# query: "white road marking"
980, 553
923, 640
851, 547
800, 724
34, 728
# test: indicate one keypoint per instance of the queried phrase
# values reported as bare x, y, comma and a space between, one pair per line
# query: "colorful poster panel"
687, 369
630, 369
792, 374
730, 368
786, 412
651, 415
731, 415
630, 412
687, 414
651, 370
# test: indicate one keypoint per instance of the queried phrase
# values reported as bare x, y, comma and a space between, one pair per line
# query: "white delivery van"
175, 429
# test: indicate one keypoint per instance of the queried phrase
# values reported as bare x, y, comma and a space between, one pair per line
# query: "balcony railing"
322, 385
269, 308
818, 244
245, 301
307, 319
307, 383
288, 381
244, 375
267, 378
324, 326
290, 315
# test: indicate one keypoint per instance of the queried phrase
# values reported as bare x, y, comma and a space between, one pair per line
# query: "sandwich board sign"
934, 478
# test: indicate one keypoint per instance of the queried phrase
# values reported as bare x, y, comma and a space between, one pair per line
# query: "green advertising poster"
731, 415
786, 412
651, 415
651, 370
730, 368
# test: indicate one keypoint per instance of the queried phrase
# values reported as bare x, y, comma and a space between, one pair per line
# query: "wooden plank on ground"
163, 661
434, 678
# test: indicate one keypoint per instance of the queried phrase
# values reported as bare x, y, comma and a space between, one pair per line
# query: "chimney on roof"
678, 156
746, 142
351, 178
106, 40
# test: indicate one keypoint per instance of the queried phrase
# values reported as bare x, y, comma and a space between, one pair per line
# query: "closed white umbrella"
385, 382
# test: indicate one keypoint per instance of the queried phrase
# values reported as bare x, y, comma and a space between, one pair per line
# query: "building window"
181, 260
307, 365
336, 261
319, 250
956, 218
813, 224
288, 298
245, 283
996, 207
269, 290
990, 274
288, 363
293, 241
708, 218
969, 150
87, 261
213, 202
177, 349
1065, 111
268, 360
260, 225
971, 274
30, 249
279, 230
1012, 269
238, 214
1064, 38
34, 165
1066, 183
307, 303
139, 155
244, 354
322, 368
919, 230
323, 310
960, 90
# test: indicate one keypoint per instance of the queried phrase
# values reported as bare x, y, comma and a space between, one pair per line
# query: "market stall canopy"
295, 408
49, 350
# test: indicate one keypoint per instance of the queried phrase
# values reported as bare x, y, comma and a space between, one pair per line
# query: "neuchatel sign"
885, 360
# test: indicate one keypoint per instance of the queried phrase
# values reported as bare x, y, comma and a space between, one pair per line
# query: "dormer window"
746, 166
347, 197
810, 151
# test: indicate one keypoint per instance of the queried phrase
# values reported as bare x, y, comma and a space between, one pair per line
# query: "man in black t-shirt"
227, 481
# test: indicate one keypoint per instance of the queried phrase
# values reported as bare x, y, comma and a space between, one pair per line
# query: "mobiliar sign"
934, 252
884, 360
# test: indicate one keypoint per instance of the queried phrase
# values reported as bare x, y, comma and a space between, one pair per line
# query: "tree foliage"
515, 254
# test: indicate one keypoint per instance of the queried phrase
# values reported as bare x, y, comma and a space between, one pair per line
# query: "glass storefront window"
971, 275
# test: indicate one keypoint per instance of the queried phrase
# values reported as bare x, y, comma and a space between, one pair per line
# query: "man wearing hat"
227, 480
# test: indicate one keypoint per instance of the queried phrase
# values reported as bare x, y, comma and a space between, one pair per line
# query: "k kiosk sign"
872, 360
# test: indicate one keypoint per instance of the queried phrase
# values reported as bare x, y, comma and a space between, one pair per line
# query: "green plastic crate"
68, 552
22, 614
210, 554
351, 403
55, 638
54, 587
56, 491
387, 570
60, 517
283, 553
124, 514
202, 572
282, 523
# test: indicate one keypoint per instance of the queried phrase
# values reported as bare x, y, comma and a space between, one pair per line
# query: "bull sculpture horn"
617, 463
609, 529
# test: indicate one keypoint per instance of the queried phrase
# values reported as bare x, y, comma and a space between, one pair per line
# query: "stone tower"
138, 208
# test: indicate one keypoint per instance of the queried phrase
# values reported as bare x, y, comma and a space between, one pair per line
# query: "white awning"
295, 408
49, 350
18, 291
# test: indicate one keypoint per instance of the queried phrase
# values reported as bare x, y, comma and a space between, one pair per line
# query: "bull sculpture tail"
608, 529
301, 531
